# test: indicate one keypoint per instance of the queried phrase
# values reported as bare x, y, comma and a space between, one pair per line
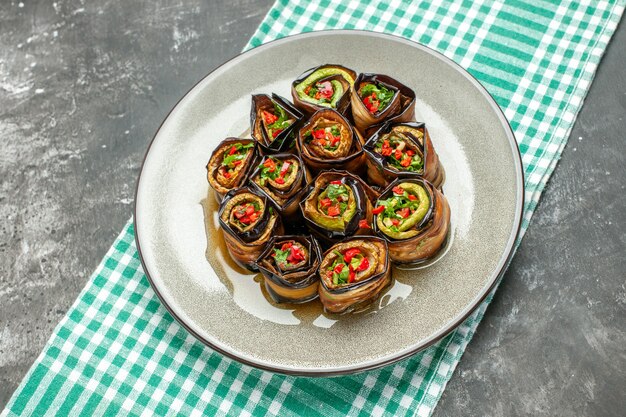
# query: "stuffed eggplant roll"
414, 217
323, 87
338, 204
248, 221
290, 266
354, 273
274, 122
230, 164
402, 150
328, 141
282, 178
377, 98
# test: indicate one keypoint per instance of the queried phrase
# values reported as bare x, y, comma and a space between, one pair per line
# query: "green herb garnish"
280, 256
240, 151
376, 97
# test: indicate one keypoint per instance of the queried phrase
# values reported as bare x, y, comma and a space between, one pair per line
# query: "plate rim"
452, 324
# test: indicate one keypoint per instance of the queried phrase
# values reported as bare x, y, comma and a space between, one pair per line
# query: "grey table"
83, 88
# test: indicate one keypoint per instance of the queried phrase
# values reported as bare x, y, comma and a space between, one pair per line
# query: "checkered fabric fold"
118, 351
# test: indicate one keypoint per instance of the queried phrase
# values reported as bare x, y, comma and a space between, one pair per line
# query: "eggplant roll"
328, 141
402, 150
378, 98
230, 164
354, 273
290, 266
414, 217
274, 122
282, 178
338, 204
248, 221
324, 87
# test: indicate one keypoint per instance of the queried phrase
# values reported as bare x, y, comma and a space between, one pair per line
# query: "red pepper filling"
327, 137
371, 103
395, 210
378, 210
398, 190
270, 170
269, 118
334, 199
346, 266
322, 91
386, 149
288, 253
275, 120
234, 157
334, 211
404, 212
247, 213
398, 154
376, 97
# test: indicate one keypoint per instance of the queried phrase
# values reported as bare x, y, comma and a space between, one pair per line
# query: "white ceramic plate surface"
184, 256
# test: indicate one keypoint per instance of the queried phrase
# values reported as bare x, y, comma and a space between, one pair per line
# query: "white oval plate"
184, 256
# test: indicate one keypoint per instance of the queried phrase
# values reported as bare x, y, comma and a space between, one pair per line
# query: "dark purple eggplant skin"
285, 139
315, 256
365, 198
258, 229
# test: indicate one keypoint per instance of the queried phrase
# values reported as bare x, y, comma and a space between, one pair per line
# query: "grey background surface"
83, 88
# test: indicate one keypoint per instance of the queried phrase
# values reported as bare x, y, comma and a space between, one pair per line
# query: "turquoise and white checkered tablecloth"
118, 351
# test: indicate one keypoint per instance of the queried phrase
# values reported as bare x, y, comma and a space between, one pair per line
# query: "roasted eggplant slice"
354, 273
377, 98
414, 217
324, 87
338, 204
282, 178
248, 220
328, 141
402, 150
230, 164
290, 266
274, 122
